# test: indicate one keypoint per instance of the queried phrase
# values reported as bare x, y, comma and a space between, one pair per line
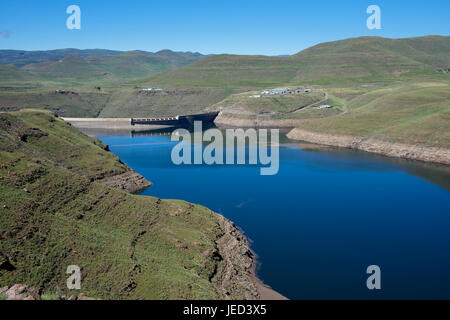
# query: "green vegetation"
54, 213
413, 113
108, 82
50, 296
99, 69
20, 58
90, 79
386, 88
109, 69
292, 106
333, 63
70, 103
130, 102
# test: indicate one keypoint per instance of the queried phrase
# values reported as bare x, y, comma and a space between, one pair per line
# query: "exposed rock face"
414, 152
234, 273
21, 292
130, 181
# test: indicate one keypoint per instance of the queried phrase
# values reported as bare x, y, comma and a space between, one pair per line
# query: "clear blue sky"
211, 26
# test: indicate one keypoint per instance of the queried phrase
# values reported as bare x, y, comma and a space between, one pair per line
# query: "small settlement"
152, 89
282, 91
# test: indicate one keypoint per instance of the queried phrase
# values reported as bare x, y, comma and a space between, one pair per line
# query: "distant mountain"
351, 59
21, 58
87, 65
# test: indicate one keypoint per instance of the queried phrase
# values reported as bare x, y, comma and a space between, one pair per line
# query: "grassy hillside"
20, 58
90, 82
230, 71
294, 106
198, 86
349, 60
55, 214
86, 103
76, 67
10, 75
372, 58
413, 113
130, 102
110, 68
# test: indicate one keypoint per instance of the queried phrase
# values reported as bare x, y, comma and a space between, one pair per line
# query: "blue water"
323, 219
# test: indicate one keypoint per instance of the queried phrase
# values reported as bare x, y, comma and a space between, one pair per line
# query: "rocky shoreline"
390, 149
385, 148
237, 271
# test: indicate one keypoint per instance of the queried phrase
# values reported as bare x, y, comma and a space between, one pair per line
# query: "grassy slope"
356, 59
33, 85
344, 63
128, 246
20, 58
276, 107
129, 102
85, 103
110, 68
413, 112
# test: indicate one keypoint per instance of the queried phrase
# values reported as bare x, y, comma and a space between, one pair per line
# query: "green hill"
229, 71
20, 58
357, 59
194, 84
415, 113
123, 66
54, 212
10, 75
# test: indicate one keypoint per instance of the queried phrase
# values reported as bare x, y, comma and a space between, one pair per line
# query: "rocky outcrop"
390, 149
130, 181
20, 292
234, 274
24, 292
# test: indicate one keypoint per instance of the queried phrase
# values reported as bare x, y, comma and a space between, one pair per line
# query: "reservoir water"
323, 219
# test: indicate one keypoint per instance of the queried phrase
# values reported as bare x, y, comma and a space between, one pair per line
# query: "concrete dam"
139, 124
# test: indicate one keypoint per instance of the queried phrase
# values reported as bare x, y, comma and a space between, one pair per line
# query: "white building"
276, 92
152, 89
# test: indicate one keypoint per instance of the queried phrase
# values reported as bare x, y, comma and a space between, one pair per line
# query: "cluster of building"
152, 89
324, 106
285, 91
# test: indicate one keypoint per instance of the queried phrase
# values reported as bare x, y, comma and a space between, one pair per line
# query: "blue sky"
237, 27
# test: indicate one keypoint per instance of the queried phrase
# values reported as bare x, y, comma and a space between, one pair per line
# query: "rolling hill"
409, 113
20, 58
350, 60
78, 66
195, 83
